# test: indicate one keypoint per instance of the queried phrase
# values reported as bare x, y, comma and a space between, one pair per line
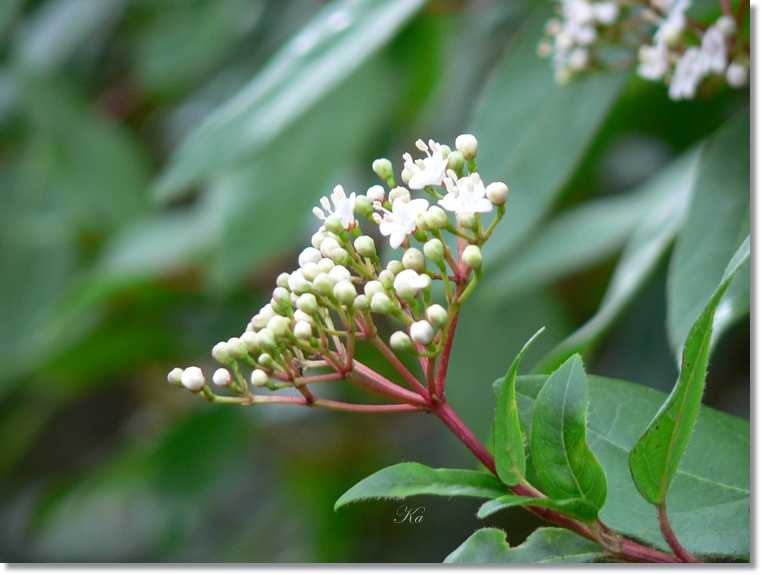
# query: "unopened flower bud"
249, 340
328, 245
380, 303
737, 75
193, 379
325, 265
265, 360
300, 283
413, 260
395, 266
467, 145
265, 339
317, 239
339, 273
456, 161
220, 352
175, 376
404, 290
383, 168
437, 218
545, 48
279, 326
303, 330
282, 280
259, 378
307, 303
281, 297
727, 25
399, 192
310, 270
422, 332
406, 175
420, 223
258, 322
364, 206
334, 225
436, 315
434, 250
267, 312
365, 246
362, 302
386, 278
467, 221
446, 150
309, 255
345, 292
299, 315
222, 377
340, 256
236, 348
376, 193
497, 193
472, 256
400, 341
324, 284
373, 287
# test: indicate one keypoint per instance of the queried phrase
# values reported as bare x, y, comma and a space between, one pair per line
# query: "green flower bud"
420, 222
467, 221
281, 297
340, 256
436, 315
413, 260
456, 161
362, 302
364, 206
327, 246
472, 256
249, 340
325, 265
265, 339
400, 341
365, 246
446, 150
497, 193
303, 330
193, 379
310, 271
299, 315
436, 218
265, 360
395, 266
220, 352
373, 287
345, 292
236, 348
307, 303
386, 278
405, 291
282, 280
334, 225
434, 250
259, 378
279, 326
380, 303
317, 239
383, 168
324, 285
175, 377
467, 145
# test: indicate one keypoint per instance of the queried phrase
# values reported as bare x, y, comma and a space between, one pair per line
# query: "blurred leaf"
58, 29
9, 10
578, 508
405, 479
656, 456
642, 253
546, 545
326, 51
711, 486
716, 218
508, 444
564, 461
533, 133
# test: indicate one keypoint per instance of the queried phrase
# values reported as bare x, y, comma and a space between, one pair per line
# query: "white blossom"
654, 62
737, 75
400, 222
412, 279
715, 50
422, 332
466, 196
343, 207
429, 170
673, 25
689, 72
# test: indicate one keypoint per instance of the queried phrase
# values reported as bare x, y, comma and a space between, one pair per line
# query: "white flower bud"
317, 239
259, 378
362, 302
299, 315
265, 339
545, 48
307, 303
727, 26
395, 266
324, 284
436, 218
236, 348
407, 283
737, 75
420, 223
436, 315
386, 278
365, 246
578, 59
333, 225
380, 303
258, 322
345, 292
222, 377
456, 161
193, 379
340, 256
309, 255
281, 298
249, 340
413, 260
406, 175
553, 27
472, 256
328, 245
383, 168
325, 265
376, 193
282, 280
303, 330
265, 360
220, 352
466, 220
422, 332
298, 283
373, 287
279, 326
339, 273
434, 250
467, 145
399, 192
175, 376
310, 270
400, 341
267, 312
364, 206
497, 193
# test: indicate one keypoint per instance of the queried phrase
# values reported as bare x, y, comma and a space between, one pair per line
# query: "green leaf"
641, 255
715, 225
656, 456
564, 461
405, 479
533, 133
311, 65
545, 545
711, 486
577, 508
508, 444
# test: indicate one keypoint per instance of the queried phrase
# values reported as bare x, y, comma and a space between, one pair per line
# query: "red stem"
444, 359
330, 404
398, 365
367, 378
671, 538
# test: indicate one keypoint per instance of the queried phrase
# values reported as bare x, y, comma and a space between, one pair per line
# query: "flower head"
344, 207
429, 170
400, 222
466, 196
689, 72
715, 50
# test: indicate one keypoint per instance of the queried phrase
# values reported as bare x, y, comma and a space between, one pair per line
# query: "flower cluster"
671, 46
318, 313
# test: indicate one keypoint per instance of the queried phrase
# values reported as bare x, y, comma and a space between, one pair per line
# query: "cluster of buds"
671, 46
309, 330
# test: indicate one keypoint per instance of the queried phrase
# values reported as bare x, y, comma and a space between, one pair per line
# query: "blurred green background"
158, 163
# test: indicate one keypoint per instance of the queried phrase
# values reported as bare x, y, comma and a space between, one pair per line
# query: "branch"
682, 553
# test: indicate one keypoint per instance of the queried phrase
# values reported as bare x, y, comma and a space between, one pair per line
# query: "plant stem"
366, 378
398, 365
670, 537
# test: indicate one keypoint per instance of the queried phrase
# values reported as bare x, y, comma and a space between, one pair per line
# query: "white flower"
222, 377
429, 170
689, 72
654, 61
422, 332
193, 379
715, 50
376, 193
605, 12
737, 75
467, 196
400, 222
344, 207
408, 280
673, 25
